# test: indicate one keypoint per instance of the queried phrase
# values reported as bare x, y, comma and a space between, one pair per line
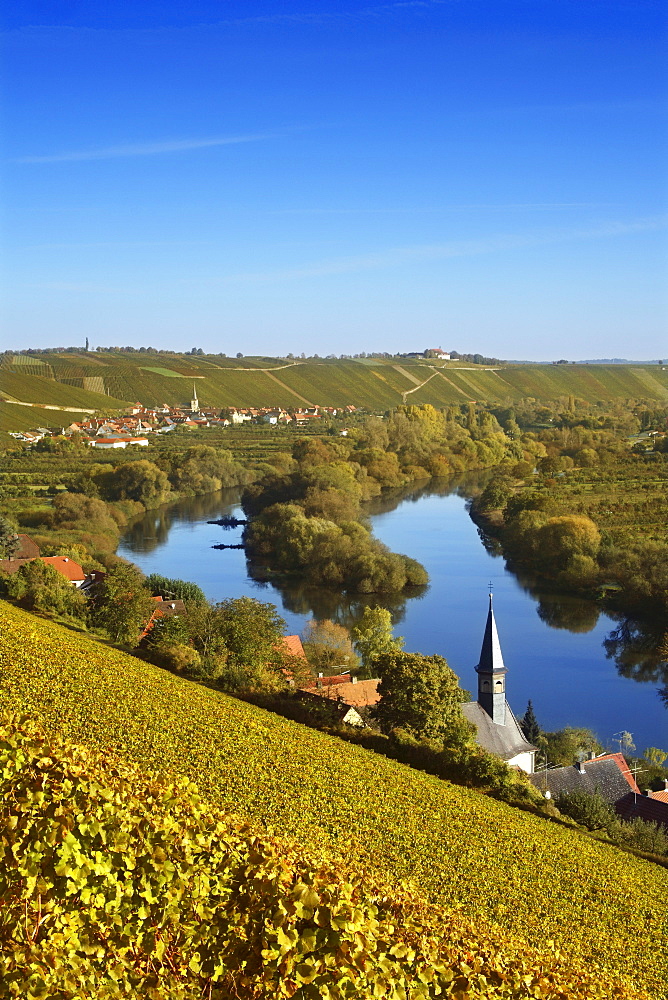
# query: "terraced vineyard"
368, 383
38, 389
538, 880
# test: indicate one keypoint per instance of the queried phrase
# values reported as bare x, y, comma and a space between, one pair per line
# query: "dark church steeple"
491, 672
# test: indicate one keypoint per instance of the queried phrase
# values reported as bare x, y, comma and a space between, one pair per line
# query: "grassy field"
539, 880
370, 383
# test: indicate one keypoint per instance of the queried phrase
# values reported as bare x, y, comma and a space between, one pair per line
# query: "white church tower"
497, 729
194, 402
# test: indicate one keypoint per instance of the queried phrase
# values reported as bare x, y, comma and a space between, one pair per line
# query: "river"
552, 646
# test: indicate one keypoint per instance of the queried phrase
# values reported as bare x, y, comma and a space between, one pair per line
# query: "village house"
609, 775
67, 567
164, 608
346, 695
26, 551
29, 552
117, 442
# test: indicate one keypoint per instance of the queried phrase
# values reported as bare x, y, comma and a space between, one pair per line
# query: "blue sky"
335, 177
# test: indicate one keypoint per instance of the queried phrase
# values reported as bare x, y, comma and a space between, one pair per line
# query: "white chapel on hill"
497, 728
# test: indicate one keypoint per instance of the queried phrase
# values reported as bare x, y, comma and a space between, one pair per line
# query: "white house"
118, 442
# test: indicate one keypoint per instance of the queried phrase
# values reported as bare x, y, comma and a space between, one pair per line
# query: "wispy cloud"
115, 244
460, 248
145, 148
148, 25
413, 210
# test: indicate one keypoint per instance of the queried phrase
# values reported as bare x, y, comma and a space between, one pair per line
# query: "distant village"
139, 423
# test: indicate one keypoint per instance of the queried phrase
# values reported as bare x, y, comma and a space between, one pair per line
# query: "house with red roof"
346, 695
67, 567
165, 608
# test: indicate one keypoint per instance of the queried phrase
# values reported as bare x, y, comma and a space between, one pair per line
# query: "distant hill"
375, 384
615, 361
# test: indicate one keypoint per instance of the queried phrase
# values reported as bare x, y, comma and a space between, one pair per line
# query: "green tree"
373, 636
529, 724
590, 810
566, 745
9, 540
251, 630
40, 587
496, 494
142, 481
122, 604
168, 587
421, 696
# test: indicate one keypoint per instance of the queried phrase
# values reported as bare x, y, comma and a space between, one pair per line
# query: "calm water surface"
553, 647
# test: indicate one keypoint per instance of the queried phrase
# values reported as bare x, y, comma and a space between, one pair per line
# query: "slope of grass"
538, 880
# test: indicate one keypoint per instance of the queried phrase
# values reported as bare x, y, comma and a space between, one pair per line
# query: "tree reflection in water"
640, 651
151, 530
344, 609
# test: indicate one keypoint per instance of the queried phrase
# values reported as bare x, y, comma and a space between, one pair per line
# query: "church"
194, 402
497, 729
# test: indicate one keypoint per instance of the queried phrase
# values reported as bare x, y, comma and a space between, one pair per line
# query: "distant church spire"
194, 402
491, 672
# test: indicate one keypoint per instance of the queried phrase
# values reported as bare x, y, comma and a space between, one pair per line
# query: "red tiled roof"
163, 609
293, 645
357, 695
328, 681
12, 566
66, 567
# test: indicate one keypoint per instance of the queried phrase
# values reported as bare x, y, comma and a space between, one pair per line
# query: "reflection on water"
639, 650
558, 649
152, 529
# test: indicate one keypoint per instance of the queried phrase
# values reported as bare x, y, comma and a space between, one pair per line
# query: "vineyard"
538, 880
37, 389
368, 383
626, 501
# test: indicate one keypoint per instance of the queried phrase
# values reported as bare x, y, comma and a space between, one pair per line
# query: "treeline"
102, 497
308, 521
590, 514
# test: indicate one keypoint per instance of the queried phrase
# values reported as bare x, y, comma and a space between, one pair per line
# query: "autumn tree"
373, 636
328, 647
